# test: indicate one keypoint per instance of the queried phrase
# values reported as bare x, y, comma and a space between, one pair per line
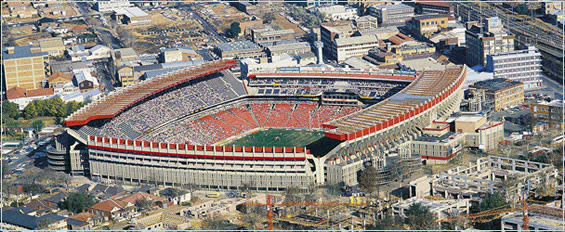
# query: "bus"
213, 195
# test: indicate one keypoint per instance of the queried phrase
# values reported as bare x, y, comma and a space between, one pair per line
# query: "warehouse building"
131, 16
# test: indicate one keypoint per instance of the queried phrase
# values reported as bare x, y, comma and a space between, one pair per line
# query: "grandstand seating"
240, 117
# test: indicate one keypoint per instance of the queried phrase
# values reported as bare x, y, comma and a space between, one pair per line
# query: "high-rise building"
392, 15
522, 65
24, 67
480, 44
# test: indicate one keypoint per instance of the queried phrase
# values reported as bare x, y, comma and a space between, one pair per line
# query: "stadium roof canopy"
118, 101
429, 89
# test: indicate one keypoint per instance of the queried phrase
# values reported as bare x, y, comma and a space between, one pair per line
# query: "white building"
107, 5
79, 53
338, 12
358, 46
522, 65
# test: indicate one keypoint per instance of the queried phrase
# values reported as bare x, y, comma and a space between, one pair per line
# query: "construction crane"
498, 211
270, 204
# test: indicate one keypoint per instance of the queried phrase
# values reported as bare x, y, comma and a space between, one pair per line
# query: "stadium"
298, 127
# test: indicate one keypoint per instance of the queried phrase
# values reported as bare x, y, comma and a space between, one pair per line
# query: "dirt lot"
285, 24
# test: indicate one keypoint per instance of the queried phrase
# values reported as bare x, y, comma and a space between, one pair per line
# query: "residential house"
23, 97
112, 209
85, 81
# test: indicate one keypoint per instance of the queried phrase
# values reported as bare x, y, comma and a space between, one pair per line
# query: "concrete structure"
425, 25
267, 36
107, 5
522, 65
437, 149
489, 174
370, 134
24, 67
54, 46
480, 133
501, 93
392, 15
361, 137
358, 46
239, 50
548, 114
338, 12
169, 55
441, 208
293, 49
366, 23
131, 16
546, 218
481, 44
319, 51
431, 7
85, 81
330, 32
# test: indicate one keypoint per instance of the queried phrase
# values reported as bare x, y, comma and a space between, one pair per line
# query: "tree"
143, 204
215, 223
268, 17
77, 202
235, 29
522, 9
368, 179
10, 110
420, 218
388, 223
30, 111
37, 125
490, 201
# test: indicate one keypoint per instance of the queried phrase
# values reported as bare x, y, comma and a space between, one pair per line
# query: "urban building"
338, 12
126, 75
425, 25
131, 16
548, 114
239, 49
438, 148
54, 46
110, 5
520, 65
501, 93
329, 32
293, 49
24, 67
440, 208
392, 15
22, 97
479, 132
358, 46
85, 81
545, 218
480, 44
366, 23
266, 36
431, 7
169, 55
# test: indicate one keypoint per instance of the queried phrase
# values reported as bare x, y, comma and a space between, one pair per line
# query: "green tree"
388, 223
420, 218
268, 17
522, 9
490, 201
77, 202
235, 29
37, 125
368, 179
30, 111
10, 110
143, 204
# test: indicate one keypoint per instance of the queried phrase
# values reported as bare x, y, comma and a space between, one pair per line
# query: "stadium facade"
103, 143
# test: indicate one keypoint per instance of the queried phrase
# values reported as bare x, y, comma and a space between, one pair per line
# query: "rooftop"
131, 12
237, 46
356, 40
392, 7
22, 52
495, 84
282, 47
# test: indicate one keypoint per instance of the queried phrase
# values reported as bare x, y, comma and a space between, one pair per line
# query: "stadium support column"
320, 55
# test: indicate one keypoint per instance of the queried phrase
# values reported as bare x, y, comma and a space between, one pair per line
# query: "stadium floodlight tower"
319, 45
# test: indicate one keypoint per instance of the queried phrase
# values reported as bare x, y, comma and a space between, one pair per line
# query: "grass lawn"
279, 138
312, 140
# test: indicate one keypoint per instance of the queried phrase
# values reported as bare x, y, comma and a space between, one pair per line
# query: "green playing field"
279, 138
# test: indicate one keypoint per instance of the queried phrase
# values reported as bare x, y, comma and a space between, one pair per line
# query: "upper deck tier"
118, 101
429, 89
